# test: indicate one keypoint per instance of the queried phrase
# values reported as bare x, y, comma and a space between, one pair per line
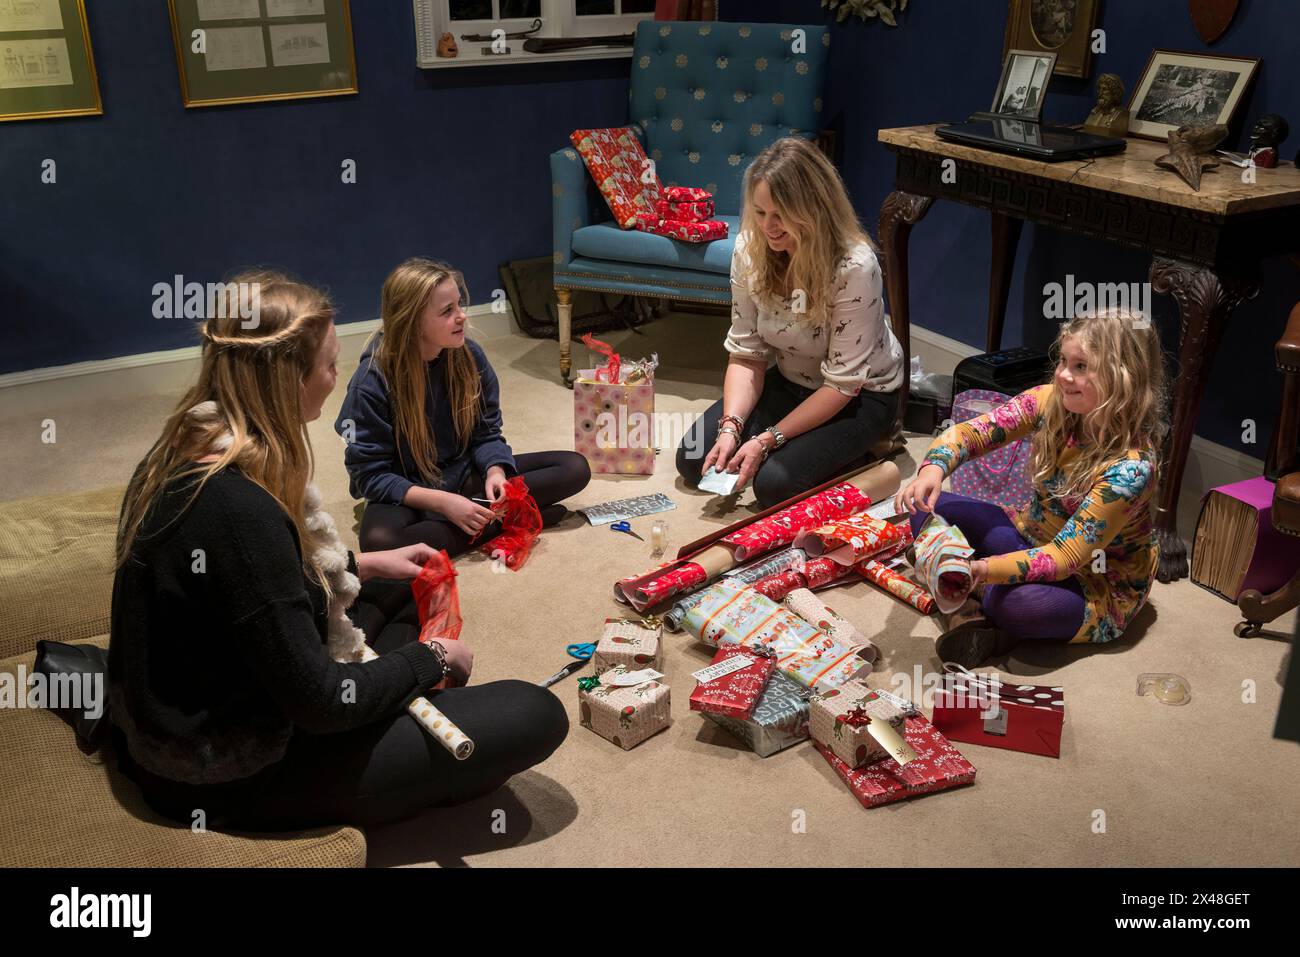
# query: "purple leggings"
1045, 611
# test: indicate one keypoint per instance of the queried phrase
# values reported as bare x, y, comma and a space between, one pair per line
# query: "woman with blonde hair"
1076, 564
806, 291
422, 424
235, 682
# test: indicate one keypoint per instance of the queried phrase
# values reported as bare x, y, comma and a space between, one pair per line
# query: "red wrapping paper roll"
780, 528
898, 585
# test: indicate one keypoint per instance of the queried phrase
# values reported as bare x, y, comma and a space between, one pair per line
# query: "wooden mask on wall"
1212, 17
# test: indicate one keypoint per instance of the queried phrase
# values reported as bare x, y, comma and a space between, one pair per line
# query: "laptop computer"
1052, 144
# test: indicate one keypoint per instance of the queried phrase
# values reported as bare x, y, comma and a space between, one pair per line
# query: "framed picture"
1023, 86
1063, 27
248, 51
1188, 89
46, 66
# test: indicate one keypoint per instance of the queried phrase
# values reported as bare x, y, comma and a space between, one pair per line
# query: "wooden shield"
1212, 17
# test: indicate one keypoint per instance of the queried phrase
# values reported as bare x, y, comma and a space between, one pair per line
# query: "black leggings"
388, 770
551, 477
806, 460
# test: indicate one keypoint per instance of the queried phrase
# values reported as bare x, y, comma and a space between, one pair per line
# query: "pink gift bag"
613, 420
1000, 476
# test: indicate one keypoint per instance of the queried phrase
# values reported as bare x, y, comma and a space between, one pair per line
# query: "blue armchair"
706, 98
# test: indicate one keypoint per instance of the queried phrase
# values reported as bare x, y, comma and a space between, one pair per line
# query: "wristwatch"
777, 437
440, 653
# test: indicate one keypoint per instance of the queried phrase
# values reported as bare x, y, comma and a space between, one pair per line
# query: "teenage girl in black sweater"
223, 697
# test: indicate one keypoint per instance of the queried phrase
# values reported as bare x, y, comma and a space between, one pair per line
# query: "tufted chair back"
711, 96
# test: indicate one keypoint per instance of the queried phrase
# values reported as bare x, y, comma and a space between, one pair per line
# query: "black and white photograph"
1184, 89
1025, 76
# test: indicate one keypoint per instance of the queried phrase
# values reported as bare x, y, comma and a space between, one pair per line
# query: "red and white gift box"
733, 684
938, 766
692, 212
684, 194
1000, 713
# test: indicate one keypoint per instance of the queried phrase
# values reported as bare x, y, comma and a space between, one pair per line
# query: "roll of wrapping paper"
440, 727
745, 575
816, 573
897, 584
720, 553
817, 613
854, 539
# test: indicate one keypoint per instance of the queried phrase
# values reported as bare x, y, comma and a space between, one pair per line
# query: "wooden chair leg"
1258, 609
564, 304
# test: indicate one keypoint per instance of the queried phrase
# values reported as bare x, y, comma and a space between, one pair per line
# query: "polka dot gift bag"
614, 413
999, 712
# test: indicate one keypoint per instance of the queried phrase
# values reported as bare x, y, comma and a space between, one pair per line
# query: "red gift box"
938, 766
691, 212
684, 194
988, 710
736, 693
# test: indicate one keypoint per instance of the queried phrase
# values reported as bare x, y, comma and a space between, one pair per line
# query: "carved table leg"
898, 214
1006, 236
1205, 301
564, 303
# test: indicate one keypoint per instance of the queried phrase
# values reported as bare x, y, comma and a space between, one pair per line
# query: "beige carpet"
1203, 784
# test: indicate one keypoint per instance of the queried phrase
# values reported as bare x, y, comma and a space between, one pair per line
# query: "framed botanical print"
1063, 27
247, 51
46, 65
1188, 89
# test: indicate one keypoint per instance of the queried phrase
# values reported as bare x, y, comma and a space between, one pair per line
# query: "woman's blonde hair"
1126, 363
407, 291
810, 196
247, 404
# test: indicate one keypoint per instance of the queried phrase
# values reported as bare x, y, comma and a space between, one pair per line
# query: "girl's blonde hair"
810, 196
407, 291
1126, 363
250, 388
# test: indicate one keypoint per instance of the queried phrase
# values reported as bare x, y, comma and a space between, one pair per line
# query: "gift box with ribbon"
999, 712
613, 413
733, 683
859, 726
937, 766
632, 644
683, 213
779, 719
625, 707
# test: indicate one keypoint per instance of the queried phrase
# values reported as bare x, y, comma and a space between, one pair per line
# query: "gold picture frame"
45, 72
1063, 27
256, 51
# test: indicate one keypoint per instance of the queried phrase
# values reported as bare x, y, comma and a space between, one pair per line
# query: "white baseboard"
173, 370
1209, 464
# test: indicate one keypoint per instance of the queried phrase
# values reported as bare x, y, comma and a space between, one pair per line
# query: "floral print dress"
1106, 538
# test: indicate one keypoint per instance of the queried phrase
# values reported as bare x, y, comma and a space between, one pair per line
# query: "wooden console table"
1206, 248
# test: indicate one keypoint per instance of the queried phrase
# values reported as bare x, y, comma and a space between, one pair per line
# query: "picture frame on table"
1022, 88
47, 67
252, 51
1182, 88
1063, 27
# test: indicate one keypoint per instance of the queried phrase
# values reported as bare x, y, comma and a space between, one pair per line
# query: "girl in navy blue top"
422, 424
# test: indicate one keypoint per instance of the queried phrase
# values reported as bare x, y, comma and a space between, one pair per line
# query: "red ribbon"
612, 360
856, 718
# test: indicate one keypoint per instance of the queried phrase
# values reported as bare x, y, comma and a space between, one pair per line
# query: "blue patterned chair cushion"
606, 241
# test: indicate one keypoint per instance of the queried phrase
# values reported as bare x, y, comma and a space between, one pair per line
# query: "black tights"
387, 770
551, 477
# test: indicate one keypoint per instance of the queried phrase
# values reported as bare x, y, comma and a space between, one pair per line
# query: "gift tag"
629, 678
719, 483
887, 737
899, 702
998, 723
723, 668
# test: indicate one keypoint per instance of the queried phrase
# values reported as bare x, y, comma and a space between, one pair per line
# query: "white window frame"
559, 19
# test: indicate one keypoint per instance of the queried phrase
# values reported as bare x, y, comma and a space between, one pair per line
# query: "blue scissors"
582, 652
625, 527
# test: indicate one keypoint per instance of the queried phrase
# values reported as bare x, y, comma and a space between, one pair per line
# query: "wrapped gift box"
629, 643
780, 718
734, 682
1000, 713
858, 726
938, 766
625, 714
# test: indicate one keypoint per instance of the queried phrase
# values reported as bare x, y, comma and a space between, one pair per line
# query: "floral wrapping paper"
841, 718
736, 694
742, 616
854, 539
625, 716
659, 584
779, 529
943, 562
821, 616
746, 575
690, 211
616, 161
938, 765
897, 584
628, 643
780, 718
613, 426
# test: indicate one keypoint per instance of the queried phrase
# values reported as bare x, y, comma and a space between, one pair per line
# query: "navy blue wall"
941, 64
452, 163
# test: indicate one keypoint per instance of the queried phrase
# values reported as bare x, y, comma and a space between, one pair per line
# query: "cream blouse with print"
857, 349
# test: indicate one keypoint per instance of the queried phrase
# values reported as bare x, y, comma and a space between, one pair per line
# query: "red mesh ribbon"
610, 371
521, 524
436, 599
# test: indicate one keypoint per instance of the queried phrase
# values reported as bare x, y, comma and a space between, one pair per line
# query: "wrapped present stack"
859, 726
684, 213
779, 719
625, 707
733, 683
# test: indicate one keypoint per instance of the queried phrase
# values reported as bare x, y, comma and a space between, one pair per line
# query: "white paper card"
719, 483
630, 678
722, 668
